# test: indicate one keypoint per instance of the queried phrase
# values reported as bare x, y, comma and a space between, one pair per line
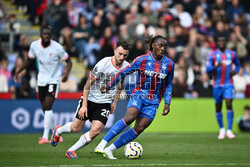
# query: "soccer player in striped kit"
223, 64
156, 72
49, 54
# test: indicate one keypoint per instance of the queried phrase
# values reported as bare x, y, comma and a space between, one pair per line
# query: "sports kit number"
51, 88
105, 113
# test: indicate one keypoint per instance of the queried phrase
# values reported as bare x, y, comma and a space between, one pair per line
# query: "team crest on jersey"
134, 103
149, 63
218, 55
50, 55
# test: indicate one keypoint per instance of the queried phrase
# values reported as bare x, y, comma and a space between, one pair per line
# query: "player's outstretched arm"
20, 69
117, 95
68, 68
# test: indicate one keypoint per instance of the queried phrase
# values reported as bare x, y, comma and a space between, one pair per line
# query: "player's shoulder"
231, 51
36, 43
56, 44
105, 61
141, 57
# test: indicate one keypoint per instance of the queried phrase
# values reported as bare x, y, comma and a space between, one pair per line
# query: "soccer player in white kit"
50, 54
94, 105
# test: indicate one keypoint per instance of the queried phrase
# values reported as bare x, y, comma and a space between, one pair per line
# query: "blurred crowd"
90, 29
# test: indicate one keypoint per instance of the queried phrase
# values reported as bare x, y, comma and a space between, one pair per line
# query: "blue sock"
219, 117
230, 118
125, 138
115, 130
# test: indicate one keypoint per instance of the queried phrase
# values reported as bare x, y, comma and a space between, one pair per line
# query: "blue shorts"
145, 108
223, 92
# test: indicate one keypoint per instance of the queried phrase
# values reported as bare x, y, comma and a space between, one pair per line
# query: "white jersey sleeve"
98, 70
62, 53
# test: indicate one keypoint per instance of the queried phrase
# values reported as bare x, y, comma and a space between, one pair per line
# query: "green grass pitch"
160, 149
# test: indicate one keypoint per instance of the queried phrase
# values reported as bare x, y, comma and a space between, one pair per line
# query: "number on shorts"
51, 87
105, 113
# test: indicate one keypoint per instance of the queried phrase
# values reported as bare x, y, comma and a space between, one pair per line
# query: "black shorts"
96, 111
48, 90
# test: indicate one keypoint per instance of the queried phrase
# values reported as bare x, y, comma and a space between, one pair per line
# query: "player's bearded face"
120, 54
221, 43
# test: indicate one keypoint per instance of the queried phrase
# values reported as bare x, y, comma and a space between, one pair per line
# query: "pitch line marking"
187, 164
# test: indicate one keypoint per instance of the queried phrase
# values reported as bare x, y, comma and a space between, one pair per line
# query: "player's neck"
222, 49
115, 62
45, 44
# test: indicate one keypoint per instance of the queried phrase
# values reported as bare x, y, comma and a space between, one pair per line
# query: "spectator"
202, 87
82, 35
244, 121
240, 83
235, 12
238, 43
4, 69
55, 16
136, 50
180, 86
107, 43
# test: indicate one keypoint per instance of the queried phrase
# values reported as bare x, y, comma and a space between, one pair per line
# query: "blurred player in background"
156, 72
94, 105
50, 54
223, 64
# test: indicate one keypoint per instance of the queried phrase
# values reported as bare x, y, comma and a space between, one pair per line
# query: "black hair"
219, 35
124, 44
152, 40
247, 107
46, 27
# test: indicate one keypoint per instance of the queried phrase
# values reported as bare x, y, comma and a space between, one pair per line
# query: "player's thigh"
218, 94
77, 125
141, 124
96, 128
228, 92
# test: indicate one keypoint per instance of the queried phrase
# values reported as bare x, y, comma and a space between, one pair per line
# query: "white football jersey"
103, 72
49, 61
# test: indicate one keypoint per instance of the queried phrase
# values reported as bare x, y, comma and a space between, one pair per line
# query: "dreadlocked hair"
152, 39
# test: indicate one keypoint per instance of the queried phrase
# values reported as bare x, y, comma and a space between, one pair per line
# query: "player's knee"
75, 128
139, 129
94, 133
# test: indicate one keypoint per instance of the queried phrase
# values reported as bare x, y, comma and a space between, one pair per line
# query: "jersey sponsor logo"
155, 74
227, 62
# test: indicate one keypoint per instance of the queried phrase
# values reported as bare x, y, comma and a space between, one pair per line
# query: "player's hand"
104, 89
113, 107
83, 112
65, 77
166, 110
232, 73
218, 64
16, 75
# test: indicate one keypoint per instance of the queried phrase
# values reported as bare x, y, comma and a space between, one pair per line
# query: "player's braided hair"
152, 39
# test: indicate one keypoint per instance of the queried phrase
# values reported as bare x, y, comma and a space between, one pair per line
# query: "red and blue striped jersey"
154, 77
222, 74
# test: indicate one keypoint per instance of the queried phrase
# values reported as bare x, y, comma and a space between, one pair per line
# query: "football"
133, 150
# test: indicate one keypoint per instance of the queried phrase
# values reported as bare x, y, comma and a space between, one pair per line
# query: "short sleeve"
62, 53
98, 70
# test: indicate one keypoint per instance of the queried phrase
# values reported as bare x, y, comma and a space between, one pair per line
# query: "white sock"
111, 147
48, 116
102, 144
84, 140
222, 130
64, 129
